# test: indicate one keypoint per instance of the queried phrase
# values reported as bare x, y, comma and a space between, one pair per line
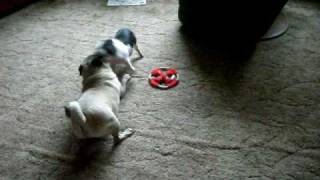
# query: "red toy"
163, 78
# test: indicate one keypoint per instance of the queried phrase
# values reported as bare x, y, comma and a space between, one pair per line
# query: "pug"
94, 114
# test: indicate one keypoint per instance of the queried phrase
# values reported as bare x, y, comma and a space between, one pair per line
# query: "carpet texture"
258, 119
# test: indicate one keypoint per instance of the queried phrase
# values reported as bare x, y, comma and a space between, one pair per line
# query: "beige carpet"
254, 120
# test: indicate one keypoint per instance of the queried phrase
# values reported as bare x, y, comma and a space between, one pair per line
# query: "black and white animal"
94, 114
119, 49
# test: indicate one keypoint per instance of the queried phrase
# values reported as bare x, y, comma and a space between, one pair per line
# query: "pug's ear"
80, 70
97, 61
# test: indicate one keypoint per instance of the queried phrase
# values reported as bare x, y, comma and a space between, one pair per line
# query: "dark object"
8, 6
228, 25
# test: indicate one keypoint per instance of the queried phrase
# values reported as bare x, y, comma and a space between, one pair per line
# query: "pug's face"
90, 65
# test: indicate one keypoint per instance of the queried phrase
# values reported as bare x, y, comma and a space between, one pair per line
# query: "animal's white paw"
127, 77
126, 133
